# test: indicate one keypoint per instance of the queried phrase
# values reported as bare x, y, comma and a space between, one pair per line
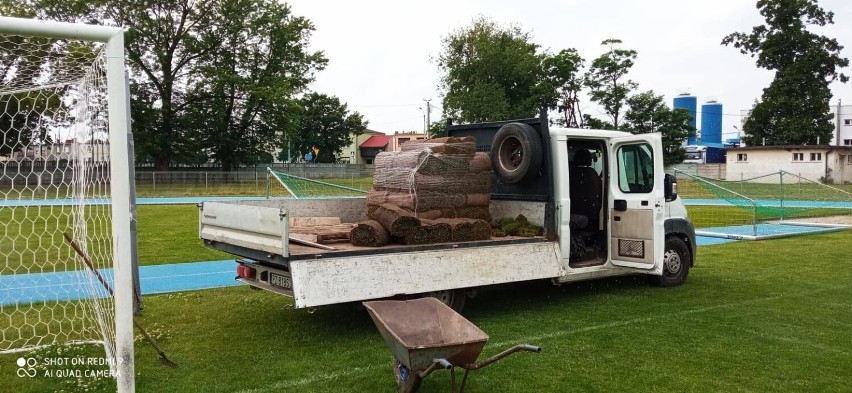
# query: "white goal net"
64, 191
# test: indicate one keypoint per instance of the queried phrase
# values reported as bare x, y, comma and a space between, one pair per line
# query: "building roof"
371, 132
847, 149
377, 141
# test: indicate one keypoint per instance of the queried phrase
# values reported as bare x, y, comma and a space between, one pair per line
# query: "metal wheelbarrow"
425, 335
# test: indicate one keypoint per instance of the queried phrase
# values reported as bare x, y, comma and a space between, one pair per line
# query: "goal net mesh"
281, 184
54, 180
770, 205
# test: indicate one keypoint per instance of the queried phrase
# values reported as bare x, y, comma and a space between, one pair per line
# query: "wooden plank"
322, 228
323, 234
311, 244
313, 221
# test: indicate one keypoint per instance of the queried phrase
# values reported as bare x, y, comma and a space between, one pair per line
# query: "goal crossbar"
59, 30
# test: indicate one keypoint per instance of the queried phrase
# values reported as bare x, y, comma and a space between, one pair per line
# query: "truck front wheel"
676, 262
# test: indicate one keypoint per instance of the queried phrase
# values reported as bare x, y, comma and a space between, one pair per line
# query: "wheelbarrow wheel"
408, 381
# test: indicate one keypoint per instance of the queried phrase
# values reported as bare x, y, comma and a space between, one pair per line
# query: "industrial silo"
711, 122
687, 101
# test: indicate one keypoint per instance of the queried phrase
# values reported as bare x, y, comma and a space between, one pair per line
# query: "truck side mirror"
670, 187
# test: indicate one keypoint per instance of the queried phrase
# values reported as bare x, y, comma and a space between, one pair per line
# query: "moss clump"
519, 226
527, 232
511, 228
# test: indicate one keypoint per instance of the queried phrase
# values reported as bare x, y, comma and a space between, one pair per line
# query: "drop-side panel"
339, 280
254, 227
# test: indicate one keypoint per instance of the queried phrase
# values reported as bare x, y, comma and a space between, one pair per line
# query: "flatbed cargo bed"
302, 252
256, 230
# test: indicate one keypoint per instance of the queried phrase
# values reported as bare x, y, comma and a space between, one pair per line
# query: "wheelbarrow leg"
501, 355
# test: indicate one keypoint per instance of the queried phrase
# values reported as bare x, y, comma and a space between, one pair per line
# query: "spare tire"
516, 153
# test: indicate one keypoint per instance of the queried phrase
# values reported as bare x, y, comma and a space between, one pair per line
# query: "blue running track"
21, 288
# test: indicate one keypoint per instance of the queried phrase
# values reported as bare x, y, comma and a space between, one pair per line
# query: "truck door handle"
617, 218
620, 205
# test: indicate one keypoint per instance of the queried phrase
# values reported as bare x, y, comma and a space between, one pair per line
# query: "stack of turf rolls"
443, 183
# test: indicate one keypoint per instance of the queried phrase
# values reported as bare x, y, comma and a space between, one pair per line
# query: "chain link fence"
244, 182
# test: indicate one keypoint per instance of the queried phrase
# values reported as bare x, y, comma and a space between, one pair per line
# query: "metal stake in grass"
163, 358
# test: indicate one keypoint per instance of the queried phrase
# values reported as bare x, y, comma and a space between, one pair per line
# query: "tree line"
217, 79
229, 80
493, 72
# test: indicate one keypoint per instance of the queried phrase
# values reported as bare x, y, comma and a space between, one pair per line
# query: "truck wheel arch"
683, 230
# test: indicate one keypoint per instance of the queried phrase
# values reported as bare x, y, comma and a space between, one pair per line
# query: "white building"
843, 125
92, 151
811, 162
842, 119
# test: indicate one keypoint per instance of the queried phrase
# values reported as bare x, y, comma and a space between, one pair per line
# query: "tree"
490, 72
327, 125
34, 61
437, 129
596, 124
794, 109
606, 79
164, 43
648, 113
242, 103
562, 85
218, 75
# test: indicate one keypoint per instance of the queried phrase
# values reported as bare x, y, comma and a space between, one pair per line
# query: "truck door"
636, 203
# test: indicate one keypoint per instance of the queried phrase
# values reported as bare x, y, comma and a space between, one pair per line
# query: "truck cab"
621, 207
606, 197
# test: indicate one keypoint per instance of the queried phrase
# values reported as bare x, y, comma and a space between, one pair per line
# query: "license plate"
280, 281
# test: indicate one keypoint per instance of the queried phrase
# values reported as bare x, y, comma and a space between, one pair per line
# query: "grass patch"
806, 191
753, 316
169, 234
31, 237
720, 216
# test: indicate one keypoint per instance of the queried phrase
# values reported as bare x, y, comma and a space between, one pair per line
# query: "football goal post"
64, 170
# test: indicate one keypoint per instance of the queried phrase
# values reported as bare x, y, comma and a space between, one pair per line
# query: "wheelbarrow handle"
501, 355
444, 363
436, 364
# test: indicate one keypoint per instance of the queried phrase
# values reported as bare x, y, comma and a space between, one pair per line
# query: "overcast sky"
380, 52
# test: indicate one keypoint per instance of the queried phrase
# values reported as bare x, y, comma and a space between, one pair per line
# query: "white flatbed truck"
622, 217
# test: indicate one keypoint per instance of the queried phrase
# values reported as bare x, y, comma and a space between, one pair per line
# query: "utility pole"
428, 114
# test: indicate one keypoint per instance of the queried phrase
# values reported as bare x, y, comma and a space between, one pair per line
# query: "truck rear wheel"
453, 298
516, 153
676, 262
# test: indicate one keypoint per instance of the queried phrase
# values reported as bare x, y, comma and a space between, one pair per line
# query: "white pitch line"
794, 340
281, 385
356, 370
